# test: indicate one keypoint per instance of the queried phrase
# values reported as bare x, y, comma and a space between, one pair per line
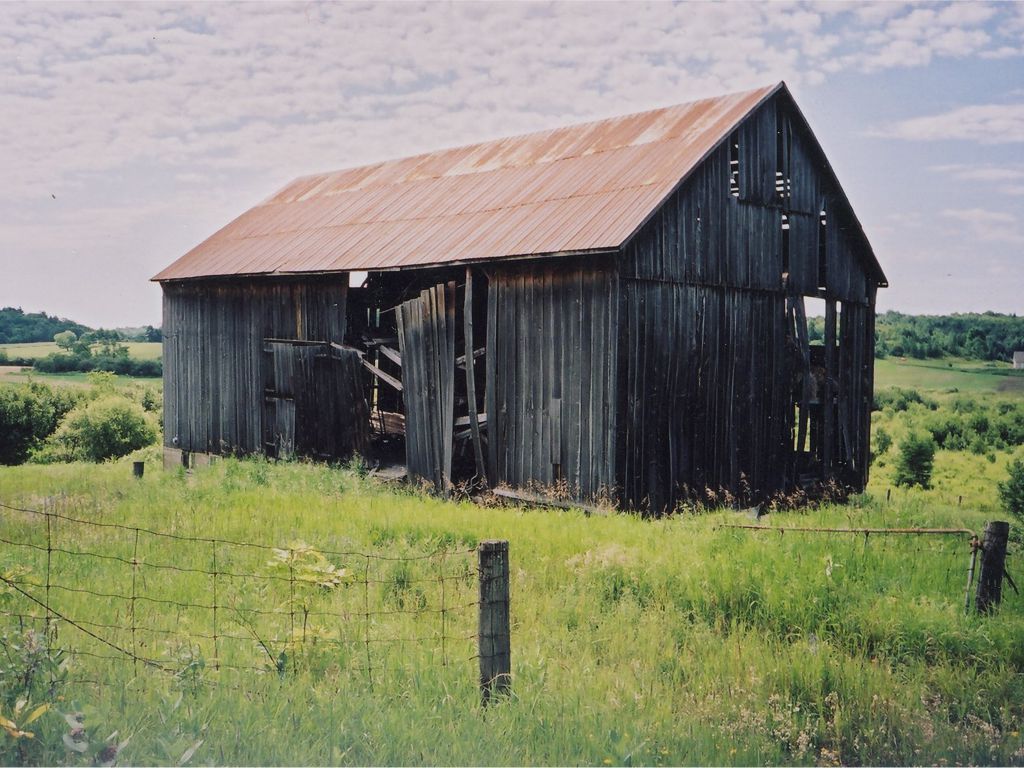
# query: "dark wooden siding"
707, 392
214, 350
712, 365
551, 376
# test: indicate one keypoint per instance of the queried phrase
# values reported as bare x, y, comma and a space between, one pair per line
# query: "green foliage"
915, 460
306, 566
18, 327
883, 440
1011, 490
987, 336
65, 339
120, 363
107, 427
28, 415
900, 399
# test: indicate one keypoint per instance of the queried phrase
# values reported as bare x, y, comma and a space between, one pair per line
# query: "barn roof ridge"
770, 88
581, 188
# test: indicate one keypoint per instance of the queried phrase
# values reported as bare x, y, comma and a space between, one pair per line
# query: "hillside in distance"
20, 327
985, 336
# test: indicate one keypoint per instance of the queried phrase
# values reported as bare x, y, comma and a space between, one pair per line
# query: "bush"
900, 399
108, 427
58, 362
883, 440
1011, 492
29, 413
915, 461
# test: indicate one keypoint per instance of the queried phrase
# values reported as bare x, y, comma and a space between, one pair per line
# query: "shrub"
883, 440
29, 413
108, 427
915, 460
900, 399
1011, 491
58, 362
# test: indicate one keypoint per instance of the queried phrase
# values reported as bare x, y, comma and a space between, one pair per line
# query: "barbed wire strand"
53, 616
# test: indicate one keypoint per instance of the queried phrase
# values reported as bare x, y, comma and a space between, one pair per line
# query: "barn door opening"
313, 402
828, 385
813, 339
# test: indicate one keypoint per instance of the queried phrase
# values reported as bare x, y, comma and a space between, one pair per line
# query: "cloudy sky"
131, 132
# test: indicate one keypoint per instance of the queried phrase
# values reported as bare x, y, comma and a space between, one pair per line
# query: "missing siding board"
783, 153
822, 248
785, 246
734, 164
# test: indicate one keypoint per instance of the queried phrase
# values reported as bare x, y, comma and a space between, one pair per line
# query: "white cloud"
987, 225
202, 110
983, 123
967, 172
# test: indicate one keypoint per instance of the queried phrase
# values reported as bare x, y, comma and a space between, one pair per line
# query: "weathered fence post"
993, 565
493, 640
138, 467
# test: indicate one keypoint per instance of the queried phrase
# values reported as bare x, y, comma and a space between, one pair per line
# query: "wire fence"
123, 594
938, 562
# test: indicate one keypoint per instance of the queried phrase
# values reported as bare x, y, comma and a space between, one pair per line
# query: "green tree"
65, 340
1011, 492
915, 461
29, 413
883, 440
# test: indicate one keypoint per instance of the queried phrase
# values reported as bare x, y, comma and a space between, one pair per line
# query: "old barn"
616, 308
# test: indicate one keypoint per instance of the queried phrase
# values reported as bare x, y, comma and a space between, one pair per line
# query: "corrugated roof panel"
579, 188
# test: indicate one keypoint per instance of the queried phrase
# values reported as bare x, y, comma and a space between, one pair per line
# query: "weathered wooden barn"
615, 308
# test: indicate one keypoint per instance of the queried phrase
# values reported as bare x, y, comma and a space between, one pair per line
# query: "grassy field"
661, 642
140, 350
949, 374
11, 374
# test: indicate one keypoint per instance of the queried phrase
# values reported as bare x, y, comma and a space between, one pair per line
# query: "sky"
130, 132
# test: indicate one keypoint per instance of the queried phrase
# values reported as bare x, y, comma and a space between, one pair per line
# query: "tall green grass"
674, 641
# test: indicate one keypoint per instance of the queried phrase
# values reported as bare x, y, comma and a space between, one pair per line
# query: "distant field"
968, 376
12, 374
140, 350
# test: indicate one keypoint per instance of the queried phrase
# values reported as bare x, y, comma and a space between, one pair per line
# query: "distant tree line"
95, 351
988, 336
82, 349
18, 327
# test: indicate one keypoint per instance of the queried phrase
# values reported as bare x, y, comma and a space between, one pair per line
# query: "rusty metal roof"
585, 187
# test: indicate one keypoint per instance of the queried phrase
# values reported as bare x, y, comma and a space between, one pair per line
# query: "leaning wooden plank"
447, 364
460, 361
830, 377
805, 358
391, 354
296, 342
464, 421
468, 360
385, 377
544, 501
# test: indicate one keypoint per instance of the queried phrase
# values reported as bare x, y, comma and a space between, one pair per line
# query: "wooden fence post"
493, 640
993, 565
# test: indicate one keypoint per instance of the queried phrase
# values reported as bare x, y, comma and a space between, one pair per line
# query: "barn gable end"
721, 379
